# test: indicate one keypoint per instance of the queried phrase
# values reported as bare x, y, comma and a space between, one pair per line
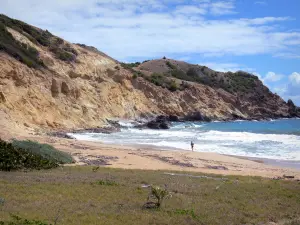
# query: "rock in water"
197, 116
160, 122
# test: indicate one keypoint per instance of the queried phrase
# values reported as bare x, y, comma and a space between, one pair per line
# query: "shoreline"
149, 158
154, 158
292, 164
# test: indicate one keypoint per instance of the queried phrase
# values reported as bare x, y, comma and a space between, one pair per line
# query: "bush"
44, 150
13, 158
16, 220
25, 54
62, 54
62, 51
158, 195
173, 86
129, 66
170, 65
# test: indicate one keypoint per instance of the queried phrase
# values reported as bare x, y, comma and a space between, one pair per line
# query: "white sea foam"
272, 146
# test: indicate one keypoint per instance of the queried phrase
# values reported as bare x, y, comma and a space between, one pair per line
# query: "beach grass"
81, 195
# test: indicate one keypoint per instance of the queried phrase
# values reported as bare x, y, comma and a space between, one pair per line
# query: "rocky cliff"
47, 82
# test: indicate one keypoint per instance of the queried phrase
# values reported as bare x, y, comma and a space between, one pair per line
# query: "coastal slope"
49, 83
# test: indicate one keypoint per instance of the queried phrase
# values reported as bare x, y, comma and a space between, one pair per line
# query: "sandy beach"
148, 158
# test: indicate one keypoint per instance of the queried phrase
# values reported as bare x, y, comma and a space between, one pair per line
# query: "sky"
258, 36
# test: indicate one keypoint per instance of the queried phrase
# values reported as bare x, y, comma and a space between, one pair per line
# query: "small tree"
159, 195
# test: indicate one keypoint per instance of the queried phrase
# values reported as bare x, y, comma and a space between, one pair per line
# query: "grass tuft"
106, 183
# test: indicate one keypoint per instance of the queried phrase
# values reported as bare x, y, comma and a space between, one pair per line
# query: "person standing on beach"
192, 145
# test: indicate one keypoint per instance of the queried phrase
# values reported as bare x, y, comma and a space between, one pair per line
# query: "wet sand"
149, 158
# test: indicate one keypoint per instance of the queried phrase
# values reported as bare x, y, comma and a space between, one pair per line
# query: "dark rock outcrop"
104, 130
196, 116
55, 88
159, 123
65, 88
173, 118
61, 135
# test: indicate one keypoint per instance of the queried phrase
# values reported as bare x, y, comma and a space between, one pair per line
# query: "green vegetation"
232, 82
16, 220
14, 158
106, 182
129, 66
163, 81
71, 193
40, 37
240, 82
159, 195
46, 151
170, 65
25, 54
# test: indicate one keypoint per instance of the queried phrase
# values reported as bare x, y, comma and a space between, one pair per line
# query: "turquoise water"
279, 139
285, 126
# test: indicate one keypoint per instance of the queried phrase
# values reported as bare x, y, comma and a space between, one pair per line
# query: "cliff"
49, 83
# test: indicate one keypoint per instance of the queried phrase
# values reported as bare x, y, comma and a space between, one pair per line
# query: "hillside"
47, 82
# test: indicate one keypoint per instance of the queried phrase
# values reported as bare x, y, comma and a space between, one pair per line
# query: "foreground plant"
157, 195
16, 220
13, 158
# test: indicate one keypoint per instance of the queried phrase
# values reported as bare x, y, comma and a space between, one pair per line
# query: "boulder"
173, 118
65, 88
160, 122
196, 116
158, 125
55, 88
2, 97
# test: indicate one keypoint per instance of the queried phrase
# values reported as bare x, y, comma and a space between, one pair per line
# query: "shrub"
62, 51
62, 54
129, 66
25, 54
13, 158
173, 86
170, 65
16, 220
44, 150
159, 195
106, 183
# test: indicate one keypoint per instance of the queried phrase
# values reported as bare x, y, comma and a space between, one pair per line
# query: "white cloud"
191, 10
272, 77
289, 89
295, 79
260, 3
226, 67
222, 8
265, 20
287, 55
148, 29
280, 90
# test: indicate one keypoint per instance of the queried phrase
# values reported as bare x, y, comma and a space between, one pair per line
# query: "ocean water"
278, 139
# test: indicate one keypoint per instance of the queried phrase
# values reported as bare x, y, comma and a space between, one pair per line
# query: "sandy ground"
135, 157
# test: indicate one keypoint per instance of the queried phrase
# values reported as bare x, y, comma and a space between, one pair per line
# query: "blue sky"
259, 36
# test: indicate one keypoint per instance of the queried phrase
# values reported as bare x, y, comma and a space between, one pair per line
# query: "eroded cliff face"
77, 86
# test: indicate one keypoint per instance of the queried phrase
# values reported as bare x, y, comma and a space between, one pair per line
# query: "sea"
274, 140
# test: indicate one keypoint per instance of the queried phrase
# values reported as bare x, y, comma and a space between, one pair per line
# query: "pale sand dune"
146, 158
